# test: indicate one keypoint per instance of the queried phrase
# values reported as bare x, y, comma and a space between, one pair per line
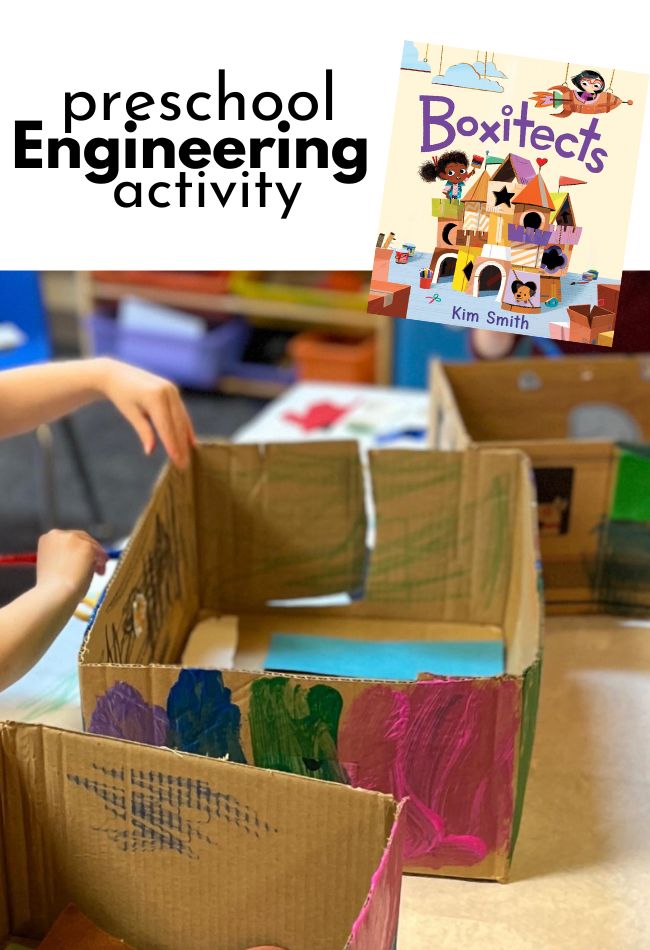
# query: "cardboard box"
453, 559
169, 851
586, 322
606, 339
388, 298
568, 415
385, 296
608, 296
559, 331
381, 267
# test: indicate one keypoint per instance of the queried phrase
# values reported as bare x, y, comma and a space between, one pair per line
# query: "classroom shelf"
261, 312
260, 389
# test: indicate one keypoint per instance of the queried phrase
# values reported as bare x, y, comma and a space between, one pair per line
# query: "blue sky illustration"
489, 69
465, 76
411, 58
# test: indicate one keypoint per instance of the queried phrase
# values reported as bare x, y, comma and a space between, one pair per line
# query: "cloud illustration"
465, 76
411, 58
489, 69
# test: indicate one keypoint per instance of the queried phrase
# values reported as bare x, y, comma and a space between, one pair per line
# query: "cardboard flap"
166, 850
447, 429
515, 400
445, 524
376, 926
279, 521
523, 621
153, 596
4, 868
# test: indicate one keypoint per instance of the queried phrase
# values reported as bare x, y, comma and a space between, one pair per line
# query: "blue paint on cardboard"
202, 719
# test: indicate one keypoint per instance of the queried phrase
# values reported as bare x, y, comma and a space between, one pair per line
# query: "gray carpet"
120, 472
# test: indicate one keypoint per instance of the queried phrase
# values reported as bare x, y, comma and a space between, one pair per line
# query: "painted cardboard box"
583, 422
169, 851
250, 532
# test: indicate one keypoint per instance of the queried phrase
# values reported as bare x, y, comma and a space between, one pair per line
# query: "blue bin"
193, 362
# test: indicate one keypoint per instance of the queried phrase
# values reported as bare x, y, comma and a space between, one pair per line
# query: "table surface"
581, 871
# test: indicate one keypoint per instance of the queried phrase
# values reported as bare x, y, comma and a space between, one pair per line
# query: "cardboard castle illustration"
508, 236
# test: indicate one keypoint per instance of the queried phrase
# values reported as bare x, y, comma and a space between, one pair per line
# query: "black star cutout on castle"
503, 197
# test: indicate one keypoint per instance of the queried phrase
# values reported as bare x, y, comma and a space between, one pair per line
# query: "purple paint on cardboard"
122, 712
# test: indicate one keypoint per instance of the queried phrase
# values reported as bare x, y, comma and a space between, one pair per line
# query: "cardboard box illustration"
559, 331
169, 851
387, 297
608, 296
583, 422
249, 533
587, 322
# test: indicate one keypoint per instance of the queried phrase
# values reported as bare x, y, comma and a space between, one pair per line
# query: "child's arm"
45, 392
28, 625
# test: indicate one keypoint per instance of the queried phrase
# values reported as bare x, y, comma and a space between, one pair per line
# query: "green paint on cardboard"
631, 500
623, 582
498, 499
530, 702
295, 729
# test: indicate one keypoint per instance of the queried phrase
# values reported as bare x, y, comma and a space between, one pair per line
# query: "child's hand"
66, 562
28, 625
151, 404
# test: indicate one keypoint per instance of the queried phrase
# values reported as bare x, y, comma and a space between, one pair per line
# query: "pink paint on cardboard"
376, 926
448, 746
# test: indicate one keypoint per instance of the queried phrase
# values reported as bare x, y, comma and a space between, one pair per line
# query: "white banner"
238, 136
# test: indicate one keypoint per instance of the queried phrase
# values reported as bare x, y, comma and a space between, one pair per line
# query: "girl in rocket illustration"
589, 84
589, 96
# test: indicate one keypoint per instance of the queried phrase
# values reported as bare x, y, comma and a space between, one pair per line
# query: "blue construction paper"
389, 660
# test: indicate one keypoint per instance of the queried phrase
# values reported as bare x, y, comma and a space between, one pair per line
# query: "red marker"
16, 560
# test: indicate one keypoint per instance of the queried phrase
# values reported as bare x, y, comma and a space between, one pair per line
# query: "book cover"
508, 192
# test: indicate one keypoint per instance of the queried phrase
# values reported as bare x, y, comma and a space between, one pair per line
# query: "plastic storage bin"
193, 281
334, 358
197, 363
